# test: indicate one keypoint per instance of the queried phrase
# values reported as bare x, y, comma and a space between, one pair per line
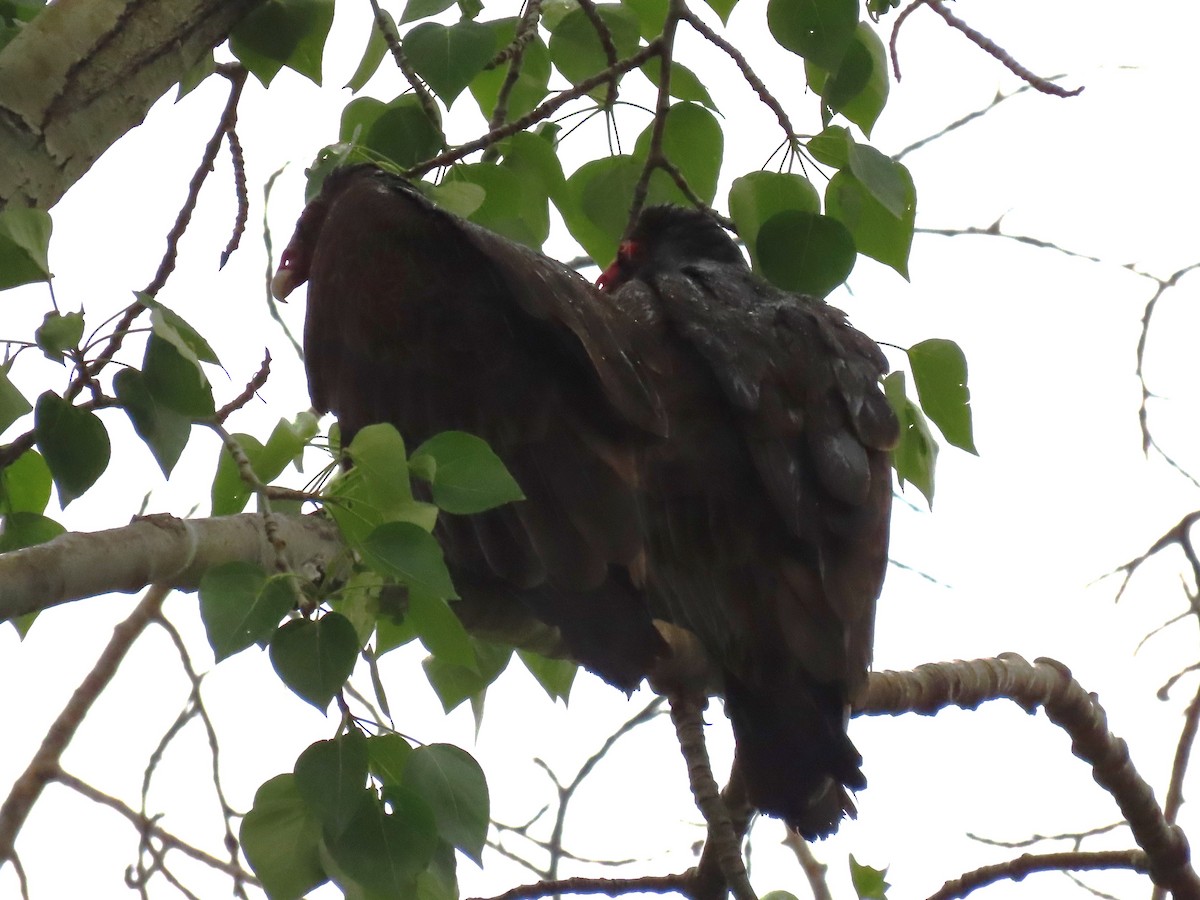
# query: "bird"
421, 319
767, 504
696, 448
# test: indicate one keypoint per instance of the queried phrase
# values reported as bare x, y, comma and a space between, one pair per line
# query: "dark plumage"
694, 444
767, 503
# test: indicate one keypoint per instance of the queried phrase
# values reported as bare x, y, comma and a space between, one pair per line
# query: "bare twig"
392, 38
252, 387
1075, 837
1028, 863
1147, 314
526, 29
983, 42
238, 159
44, 766
606, 44
655, 884
544, 111
142, 823
753, 80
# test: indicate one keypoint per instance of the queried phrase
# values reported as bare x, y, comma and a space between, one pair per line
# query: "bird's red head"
629, 257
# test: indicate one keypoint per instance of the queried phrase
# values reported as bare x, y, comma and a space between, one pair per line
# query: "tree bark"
83, 73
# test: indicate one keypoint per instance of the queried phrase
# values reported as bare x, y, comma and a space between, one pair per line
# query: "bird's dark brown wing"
418, 318
767, 508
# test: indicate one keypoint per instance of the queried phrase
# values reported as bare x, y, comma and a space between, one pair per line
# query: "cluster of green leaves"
373, 814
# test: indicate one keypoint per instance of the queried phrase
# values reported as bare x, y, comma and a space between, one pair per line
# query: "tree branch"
1047, 684
157, 549
81, 75
1028, 863
44, 766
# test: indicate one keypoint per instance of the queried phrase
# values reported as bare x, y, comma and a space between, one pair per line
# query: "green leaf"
59, 333
684, 83
779, 895
877, 233
172, 327
859, 87
799, 251
868, 883
554, 675
26, 529
818, 30
531, 157
24, 245
195, 76
385, 853
576, 50
229, 492
915, 456
25, 484
330, 778
13, 404
440, 629
283, 33
451, 782
596, 211
356, 508
165, 431
175, 381
533, 82
514, 204
651, 15
387, 756
377, 48
939, 371
694, 142
378, 452
314, 659
423, 9
73, 442
454, 684
241, 607
722, 8
468, 477
281, 839
459, 197
449, 57
398, 131
832, 146
410, 554
887, 180
758, 196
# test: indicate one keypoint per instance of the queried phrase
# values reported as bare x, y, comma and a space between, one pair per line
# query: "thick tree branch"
1047, 684
83, 73
157, 549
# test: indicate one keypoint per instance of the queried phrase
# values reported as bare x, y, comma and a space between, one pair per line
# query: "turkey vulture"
766, 505
694, 445
418, 318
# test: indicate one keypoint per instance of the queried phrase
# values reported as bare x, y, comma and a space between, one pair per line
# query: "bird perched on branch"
766, 506
694, 446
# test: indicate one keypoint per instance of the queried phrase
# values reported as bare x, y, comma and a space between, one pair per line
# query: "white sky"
1059, 496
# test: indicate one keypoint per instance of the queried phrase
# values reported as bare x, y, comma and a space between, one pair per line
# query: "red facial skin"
612, 277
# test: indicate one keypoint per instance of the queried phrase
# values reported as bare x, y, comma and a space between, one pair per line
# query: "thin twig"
44, 766
526, 29
752, 79
1027, 864
655, 884
252, 387
606, 44
238, 158
392, 38
814, 870
544, 111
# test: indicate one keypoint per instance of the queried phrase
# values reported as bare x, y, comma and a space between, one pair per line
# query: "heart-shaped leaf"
449, 57
74, 443
314, 659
